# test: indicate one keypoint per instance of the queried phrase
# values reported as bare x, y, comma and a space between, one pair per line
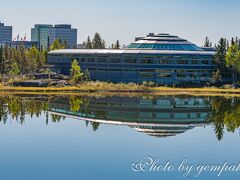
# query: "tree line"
14, 107
227, 59
98, 43
21, 61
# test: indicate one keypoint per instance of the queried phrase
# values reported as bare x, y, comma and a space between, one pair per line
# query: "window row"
143, 61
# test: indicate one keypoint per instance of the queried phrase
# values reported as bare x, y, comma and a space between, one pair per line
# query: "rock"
31, 83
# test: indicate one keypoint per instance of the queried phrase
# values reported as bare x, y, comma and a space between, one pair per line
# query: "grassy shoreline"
102, 87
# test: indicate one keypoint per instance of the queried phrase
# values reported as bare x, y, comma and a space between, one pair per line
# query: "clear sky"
125, 19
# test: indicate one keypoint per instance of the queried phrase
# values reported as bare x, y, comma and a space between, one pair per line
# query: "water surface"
101, 137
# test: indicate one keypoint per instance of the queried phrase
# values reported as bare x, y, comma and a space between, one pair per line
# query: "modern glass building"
5, 34
161, 58
40, 34
64, 32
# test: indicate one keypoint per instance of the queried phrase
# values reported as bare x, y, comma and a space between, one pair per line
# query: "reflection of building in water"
163, 131
161, 116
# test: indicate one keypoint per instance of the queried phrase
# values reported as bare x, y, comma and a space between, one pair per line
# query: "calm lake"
115, 137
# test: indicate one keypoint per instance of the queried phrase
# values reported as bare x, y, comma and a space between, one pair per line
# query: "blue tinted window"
186, 47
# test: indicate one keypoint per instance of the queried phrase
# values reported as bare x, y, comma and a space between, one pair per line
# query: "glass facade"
5, 34
185, 47
40, 34
65, 33
138, 65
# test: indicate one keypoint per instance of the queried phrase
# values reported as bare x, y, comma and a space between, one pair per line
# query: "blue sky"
125, 19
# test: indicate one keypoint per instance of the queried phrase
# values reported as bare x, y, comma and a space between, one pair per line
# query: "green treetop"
75, 73
233, 60
14, 69
116, 46
97, 42
207, 42
88, 44
221, 50
58, 44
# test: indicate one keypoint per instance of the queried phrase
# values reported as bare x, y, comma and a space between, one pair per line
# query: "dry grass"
204, 89
87, 86
104, 87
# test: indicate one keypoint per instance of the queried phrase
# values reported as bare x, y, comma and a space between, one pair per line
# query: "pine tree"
32, 57
88, 44
221, 50
103, 44
1, 60
23, 63
232, 41
58, 44
117, 45
216, 76
97, 42
14, 69
75, 73
87, 75
207, 42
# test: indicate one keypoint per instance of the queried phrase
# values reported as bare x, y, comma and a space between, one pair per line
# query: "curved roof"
164, 42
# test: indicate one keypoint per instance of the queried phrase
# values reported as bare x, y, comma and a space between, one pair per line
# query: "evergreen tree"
233, 60
1, 60
27, 60
75, 73
14, 70
117, 46
97, 42
58, 44
41, 59
87, 75
32, 56
103, 44
228, 44
221, 50
232, 41
216, 76
207, 42
88, 44
6, 59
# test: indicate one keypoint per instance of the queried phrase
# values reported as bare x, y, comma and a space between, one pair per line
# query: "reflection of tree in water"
95, 125
75, 103
3, 110
81, 104
18, 107
225, 114
225, 111
56, 118
217, 116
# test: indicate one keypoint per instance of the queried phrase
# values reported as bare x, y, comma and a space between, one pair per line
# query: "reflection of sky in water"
69, 150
